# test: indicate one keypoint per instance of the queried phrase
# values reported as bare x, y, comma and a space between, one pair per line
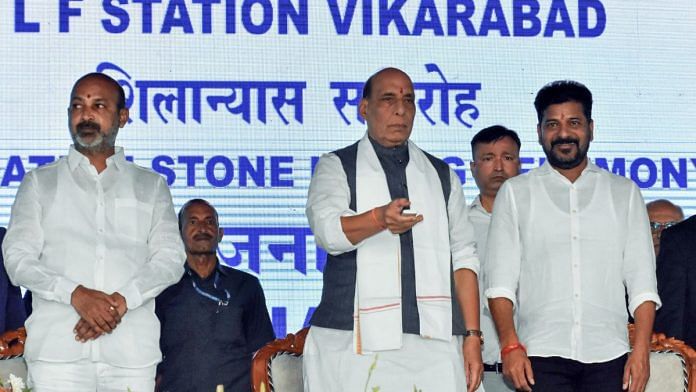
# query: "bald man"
402, 265
663, 214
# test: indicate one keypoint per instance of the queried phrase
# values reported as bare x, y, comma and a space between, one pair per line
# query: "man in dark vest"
402, 266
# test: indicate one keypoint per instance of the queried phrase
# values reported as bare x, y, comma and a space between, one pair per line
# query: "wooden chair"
12, 343
277, 366
11, 351
672, 364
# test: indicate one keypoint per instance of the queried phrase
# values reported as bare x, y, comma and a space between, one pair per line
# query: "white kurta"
113, 231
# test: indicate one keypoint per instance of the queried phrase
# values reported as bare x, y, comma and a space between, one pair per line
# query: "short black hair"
493, 134
121, 103
182, 211
562, 91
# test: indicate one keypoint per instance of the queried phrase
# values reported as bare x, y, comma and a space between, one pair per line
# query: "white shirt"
481, 219
562, 252
114, 231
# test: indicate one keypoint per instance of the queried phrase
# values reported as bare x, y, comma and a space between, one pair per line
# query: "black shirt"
205, 343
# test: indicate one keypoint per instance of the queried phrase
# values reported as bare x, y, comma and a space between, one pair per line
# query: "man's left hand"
637, 370
84, 332
473, 364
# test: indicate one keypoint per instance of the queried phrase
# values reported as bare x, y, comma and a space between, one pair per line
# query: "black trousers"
556, 374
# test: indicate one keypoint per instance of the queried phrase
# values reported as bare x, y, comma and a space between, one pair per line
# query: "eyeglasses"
657, 226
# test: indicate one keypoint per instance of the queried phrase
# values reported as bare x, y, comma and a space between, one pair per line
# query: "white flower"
16, 383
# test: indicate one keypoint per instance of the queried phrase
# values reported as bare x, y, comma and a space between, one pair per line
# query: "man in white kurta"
402, 266
95, 238
566, 240
496, 157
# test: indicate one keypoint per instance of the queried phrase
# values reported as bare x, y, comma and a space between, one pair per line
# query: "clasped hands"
99, 312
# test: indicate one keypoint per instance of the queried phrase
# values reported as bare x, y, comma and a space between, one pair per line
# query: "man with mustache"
567, 240
94, 238
214, 319
402, 265
496, 157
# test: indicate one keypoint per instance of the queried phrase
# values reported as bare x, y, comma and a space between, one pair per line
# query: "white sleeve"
639, 256
23, 244
503, 250
166, 258
462, 238
327, 202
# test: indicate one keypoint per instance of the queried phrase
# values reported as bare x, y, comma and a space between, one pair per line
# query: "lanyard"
209, 296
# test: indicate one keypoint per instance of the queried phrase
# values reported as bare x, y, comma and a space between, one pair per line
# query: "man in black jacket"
676, 282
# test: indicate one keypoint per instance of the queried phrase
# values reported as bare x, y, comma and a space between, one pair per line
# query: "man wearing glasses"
663, 214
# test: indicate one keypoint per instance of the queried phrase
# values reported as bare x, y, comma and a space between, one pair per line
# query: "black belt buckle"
496, 367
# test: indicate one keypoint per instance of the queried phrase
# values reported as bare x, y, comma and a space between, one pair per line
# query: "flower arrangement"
14, 384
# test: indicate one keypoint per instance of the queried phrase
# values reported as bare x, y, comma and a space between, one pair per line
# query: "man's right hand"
518, 368
396, 221
96, 308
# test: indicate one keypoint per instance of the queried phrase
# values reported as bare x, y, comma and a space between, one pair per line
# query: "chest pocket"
132, 218
229, 327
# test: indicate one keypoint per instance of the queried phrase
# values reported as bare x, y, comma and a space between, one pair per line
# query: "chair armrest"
12, 343
661, 343
260, 367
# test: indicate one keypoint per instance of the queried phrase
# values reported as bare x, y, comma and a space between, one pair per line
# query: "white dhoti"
330, 364
87, 376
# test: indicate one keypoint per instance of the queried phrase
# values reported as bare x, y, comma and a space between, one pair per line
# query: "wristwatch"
474, 332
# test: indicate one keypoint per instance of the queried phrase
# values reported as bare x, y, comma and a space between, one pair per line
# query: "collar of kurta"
76, 158
547, 169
